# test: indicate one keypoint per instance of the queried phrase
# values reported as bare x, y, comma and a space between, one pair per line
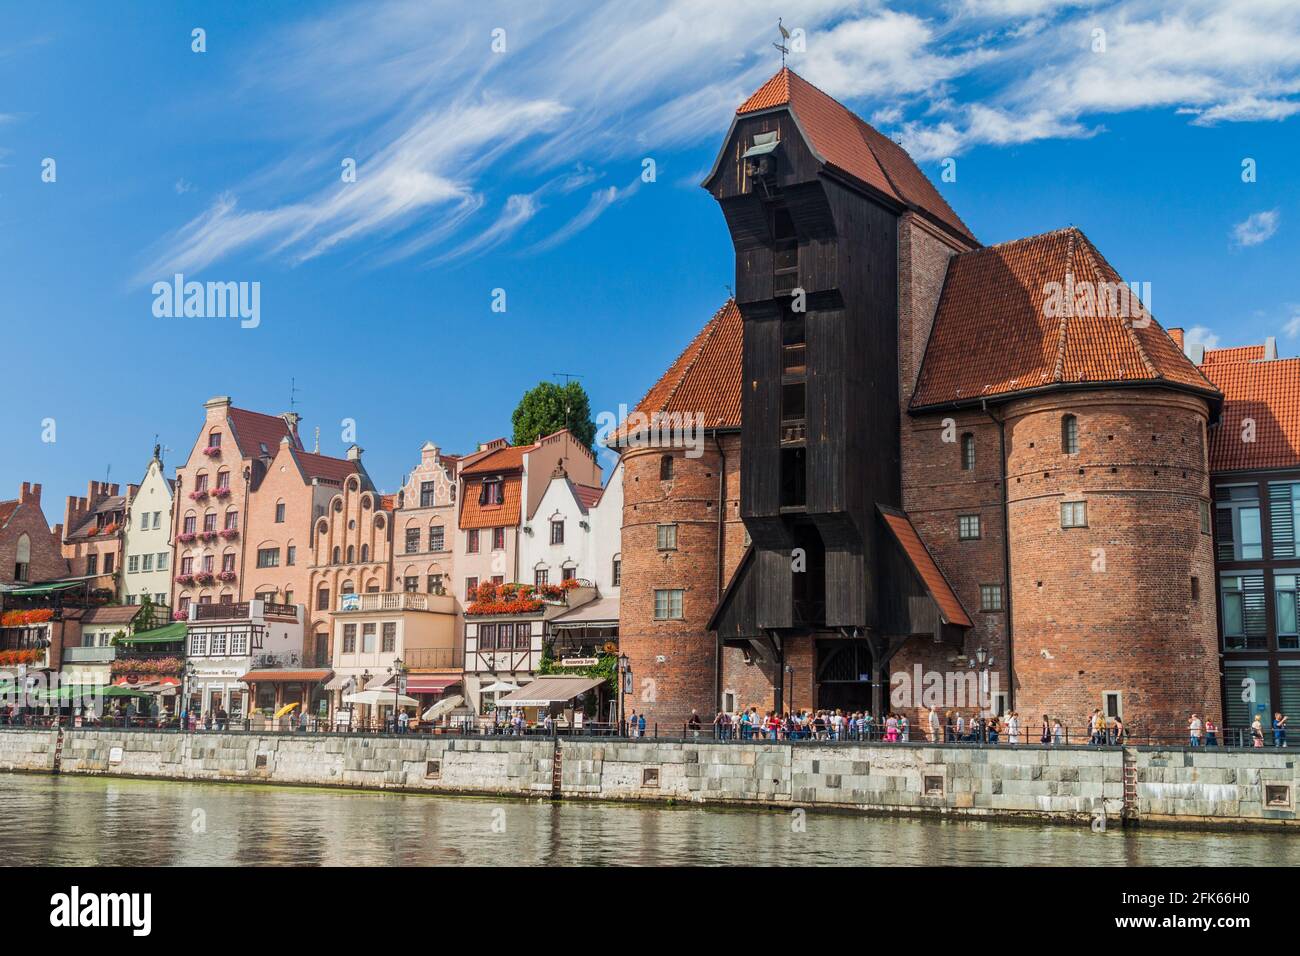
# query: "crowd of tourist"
954, 726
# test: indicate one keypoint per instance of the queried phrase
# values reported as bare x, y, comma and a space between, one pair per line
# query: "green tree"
550, 407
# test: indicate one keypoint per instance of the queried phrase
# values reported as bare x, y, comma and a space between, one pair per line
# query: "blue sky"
520, 169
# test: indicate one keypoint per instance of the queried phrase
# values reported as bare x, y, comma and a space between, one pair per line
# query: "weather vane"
785, 35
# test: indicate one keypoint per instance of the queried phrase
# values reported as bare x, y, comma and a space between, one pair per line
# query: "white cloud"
1258, 227
600, 200
518, 210
1292, 325
1201, 335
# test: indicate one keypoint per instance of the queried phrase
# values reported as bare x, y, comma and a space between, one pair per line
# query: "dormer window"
493, 492
214, 440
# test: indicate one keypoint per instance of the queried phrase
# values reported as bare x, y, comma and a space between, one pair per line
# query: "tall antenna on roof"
785, 35
293, 394
316, 450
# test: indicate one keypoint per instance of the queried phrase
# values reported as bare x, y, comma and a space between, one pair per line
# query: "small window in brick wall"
650, 776
934, 786
432, 769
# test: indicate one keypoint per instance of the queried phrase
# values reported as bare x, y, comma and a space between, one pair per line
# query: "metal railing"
394, 601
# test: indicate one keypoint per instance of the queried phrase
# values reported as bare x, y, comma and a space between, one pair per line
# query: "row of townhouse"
263, 575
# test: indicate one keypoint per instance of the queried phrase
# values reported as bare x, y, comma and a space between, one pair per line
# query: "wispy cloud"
1256, 228
438, 123
600, 200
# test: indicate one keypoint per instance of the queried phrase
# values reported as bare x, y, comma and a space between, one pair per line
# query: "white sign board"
115, 755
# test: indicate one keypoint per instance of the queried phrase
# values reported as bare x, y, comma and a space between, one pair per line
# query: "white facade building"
146, 551
575, 532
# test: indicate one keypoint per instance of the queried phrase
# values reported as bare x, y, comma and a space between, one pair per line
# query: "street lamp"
789, 678
365, 685
396, 671
623, 668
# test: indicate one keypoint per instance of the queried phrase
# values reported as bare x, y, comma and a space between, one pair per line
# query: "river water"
97, 820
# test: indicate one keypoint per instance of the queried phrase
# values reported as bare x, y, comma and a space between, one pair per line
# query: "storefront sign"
579, 661
115, 755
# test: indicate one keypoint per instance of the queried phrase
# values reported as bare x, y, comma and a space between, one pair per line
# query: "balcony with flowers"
227, 577
230, 534
524, 599
204, 578
199, 495
221, 492
186, 537
212, 451
207, 536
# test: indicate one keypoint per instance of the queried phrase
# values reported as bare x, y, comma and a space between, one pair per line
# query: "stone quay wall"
1211, 787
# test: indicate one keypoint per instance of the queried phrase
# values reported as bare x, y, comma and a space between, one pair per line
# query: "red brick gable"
995, 335
843, 140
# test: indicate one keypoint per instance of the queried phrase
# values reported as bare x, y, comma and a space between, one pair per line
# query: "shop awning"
287, 677
37, 590
169, 634
549, 690
340, 681
422, 684
603, 612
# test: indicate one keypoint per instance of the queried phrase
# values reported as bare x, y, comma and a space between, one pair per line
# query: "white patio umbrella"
500, 687
376, 698
442, 707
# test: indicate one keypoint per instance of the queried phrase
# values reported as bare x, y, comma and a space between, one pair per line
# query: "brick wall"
1108, 607
667, 690
47, 562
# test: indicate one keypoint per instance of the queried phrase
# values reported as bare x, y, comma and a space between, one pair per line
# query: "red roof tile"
7, 509
322, 466
253, 429
923, 562
853, 146
504, 515
705, 378
588, 495
503, 459
995, 334
1267, 393
1242, 353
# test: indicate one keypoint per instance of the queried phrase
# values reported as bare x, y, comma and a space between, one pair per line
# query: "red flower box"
213, 451
230, 534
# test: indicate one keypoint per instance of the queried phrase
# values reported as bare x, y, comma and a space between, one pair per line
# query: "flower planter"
230, 534
213, 451
222, 493
198, 495
226, 576
184, 579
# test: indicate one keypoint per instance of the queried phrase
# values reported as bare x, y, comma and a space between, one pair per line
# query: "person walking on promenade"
949, 728
693, 725
932, 719
891, 729
1058, 733
993, 728
1119, 733
1045, 733
904, 728
961, 727
1279, 729
631, 723
640, 726
223, 718
1257, 732
1013, 728
1211, 733
1194, 731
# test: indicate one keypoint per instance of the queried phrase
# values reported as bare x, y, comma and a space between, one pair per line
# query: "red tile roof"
322, 466
853, 146
1268, 393
993, 334
503, 459
1242, 353
588, 495
504, 515
253, 429
923, 563
7, 509
705, 378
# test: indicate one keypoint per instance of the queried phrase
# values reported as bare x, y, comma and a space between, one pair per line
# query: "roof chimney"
217, 401
354, 452
1196, 352
1270, 348
1177, 335
29, 493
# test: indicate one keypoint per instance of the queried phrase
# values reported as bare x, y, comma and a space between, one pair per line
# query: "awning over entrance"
39, 590
602, 612
169, 634
286, 677
549, 690
422, 684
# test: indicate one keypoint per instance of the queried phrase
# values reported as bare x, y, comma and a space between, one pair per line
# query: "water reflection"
91, 821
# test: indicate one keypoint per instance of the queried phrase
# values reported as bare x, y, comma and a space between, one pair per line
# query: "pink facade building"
94, 529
